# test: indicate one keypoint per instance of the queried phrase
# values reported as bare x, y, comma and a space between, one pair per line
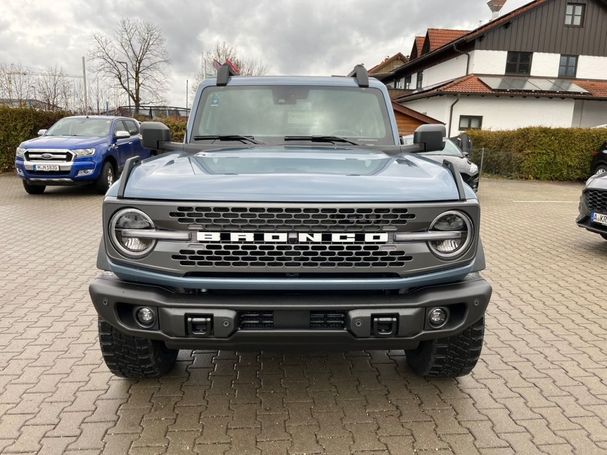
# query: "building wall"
545, 65
488, 62
501, 113
445, 71
406, 124
543, 29
590, 67
589, 113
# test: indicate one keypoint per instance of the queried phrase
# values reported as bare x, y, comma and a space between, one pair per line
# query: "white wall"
545, 65
499, 113
488, 62
445, 71
589, 113
589, 67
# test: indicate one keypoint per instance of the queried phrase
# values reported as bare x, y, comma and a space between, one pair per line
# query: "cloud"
289, 36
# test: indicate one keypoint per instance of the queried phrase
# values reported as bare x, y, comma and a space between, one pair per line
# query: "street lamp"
128, 87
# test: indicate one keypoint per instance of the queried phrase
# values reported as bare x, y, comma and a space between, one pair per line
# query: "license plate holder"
599, 218
46, 167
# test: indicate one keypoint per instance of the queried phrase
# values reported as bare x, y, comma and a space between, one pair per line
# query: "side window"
120, 126
132, 126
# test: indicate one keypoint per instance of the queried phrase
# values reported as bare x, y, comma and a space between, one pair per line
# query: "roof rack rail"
224, 73
362, 76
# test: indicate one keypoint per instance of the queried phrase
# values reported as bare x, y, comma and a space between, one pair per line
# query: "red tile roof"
473, 85
418, 45
438, 37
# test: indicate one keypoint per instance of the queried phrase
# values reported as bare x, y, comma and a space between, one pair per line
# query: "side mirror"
121, 134
42, 132
153, 134
431, 137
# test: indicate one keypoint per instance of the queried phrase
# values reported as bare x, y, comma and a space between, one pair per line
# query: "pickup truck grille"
49, 155
596, 200
325, 219
284, 256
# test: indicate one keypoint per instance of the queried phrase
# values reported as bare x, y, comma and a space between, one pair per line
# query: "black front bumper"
341, 320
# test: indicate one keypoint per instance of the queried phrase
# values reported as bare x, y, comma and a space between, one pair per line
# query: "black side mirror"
431, 137
153, 134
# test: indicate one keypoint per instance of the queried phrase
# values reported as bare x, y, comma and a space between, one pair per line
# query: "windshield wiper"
227, 137
332, 139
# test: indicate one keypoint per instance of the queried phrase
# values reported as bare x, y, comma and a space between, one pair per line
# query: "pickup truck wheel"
134, 357
448, 357
106, 178
33, 189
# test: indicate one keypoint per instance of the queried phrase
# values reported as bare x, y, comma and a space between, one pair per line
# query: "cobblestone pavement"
540, 386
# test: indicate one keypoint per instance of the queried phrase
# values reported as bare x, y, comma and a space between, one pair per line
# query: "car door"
137, 147
124, 146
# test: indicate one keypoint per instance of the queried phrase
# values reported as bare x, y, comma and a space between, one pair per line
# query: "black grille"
327, 320
291, 218
252, 320
280, 255
596, 200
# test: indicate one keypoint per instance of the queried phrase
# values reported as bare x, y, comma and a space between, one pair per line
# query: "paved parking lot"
540, 386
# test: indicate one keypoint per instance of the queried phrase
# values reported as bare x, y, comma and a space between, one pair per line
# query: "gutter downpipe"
451, 114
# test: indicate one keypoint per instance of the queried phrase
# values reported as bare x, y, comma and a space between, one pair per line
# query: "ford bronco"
290, 217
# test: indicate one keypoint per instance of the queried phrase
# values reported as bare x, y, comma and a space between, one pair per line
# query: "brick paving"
540, 386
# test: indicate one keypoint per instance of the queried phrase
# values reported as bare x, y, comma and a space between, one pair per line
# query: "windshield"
450, 150
81, 126
273, 113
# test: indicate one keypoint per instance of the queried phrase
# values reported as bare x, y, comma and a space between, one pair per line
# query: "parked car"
291, 217
455, 155
593, 205
79, 150
599, 160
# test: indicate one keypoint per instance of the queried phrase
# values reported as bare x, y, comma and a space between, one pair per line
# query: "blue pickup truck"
291, 216
79, 150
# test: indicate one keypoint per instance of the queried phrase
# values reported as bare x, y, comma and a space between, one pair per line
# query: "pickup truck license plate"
46, 167
599, 218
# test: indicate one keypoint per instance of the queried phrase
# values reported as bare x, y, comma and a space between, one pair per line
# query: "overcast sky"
318, 37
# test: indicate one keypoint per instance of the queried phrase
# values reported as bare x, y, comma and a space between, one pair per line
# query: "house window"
519, 63
568, 66
574, 14
470, 122
420, 80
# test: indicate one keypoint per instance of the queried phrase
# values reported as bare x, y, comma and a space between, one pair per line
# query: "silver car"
593, 205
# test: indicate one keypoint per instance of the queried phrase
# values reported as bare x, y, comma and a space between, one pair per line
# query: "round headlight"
124, 238
453, 222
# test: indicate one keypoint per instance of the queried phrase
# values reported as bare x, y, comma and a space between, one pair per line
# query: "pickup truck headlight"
123, 233
84, 152
20, 152
452, 221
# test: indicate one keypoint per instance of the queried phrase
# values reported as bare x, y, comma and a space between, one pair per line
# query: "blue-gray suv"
291, 216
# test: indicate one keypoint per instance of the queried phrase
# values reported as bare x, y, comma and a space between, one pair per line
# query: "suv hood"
63, 142
291, 173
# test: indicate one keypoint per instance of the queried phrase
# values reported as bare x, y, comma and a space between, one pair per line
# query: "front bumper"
291, 319
67, 175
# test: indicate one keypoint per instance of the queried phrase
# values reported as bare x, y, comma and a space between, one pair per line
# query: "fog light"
84, 172
437, 317
145, 316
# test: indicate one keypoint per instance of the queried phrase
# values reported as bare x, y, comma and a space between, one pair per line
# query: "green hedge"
18, 125
538, 153
177, 126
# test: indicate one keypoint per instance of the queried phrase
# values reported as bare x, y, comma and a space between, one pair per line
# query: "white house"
544, 64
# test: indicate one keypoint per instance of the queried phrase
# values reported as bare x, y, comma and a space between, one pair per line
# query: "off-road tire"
106, 178
134, 357
33, 189
448, 357
600, 167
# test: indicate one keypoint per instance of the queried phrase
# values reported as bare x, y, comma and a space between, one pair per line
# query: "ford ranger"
290, 217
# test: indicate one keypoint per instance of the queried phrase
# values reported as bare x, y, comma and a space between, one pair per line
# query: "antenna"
496, 6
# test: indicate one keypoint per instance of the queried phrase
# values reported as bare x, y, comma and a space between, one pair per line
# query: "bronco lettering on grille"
293, 237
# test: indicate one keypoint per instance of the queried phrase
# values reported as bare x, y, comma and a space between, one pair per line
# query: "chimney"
496, 6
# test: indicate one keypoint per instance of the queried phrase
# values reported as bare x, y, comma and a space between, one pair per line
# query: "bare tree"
223, 53
141, 48
54, 88
15, 83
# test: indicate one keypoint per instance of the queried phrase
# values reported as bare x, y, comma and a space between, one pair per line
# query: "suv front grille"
50, 156
280, 255
291, 218
596, 200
